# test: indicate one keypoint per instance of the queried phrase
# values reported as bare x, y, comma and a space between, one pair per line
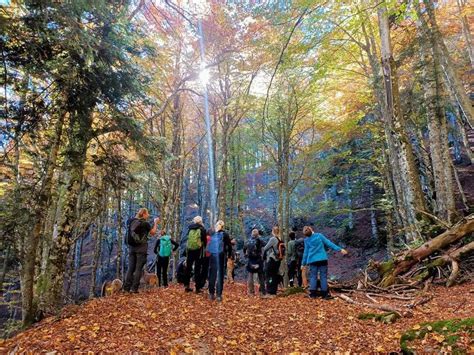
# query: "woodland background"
355, 117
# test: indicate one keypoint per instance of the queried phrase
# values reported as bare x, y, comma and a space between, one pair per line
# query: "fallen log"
382, 307
393, 268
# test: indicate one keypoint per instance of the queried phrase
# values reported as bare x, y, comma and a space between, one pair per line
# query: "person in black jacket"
195, 252
138, 253
219, 248
253, 252
163, 252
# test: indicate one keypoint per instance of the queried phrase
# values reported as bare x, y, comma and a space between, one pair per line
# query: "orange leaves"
174, 322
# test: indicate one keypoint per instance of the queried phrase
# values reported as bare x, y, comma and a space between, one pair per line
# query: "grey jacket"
271, 249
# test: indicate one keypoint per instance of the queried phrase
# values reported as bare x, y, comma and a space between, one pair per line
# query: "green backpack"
165, 246
194, 239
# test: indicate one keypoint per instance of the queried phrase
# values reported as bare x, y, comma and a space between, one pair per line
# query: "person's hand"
157, 220
344, 252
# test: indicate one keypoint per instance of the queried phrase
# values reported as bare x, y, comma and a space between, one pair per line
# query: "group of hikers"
207, 255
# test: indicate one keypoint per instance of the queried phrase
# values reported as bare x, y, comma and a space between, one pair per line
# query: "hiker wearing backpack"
316, 257
291, 258
253, 252
195, 249
164, 246
299, 251
138, 232
219, 247
274, 253
205, 261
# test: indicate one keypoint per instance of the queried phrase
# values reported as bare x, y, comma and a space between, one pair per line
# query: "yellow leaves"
439, 338
220, 339
82, 328
416, 327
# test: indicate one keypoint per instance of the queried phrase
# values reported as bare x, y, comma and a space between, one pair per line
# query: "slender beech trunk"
118, 264
6, 260
411, 192
437, 123
98, 237
462, 4
77, 267
446, 64
373, 215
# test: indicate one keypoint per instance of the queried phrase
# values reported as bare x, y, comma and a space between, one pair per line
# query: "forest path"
168, 320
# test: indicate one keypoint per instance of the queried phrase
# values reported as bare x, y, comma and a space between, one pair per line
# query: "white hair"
197, 219
219, 224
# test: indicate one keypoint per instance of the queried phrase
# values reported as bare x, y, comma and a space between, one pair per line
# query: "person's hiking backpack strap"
281, 250
133, 239
216, 244
194, 239
165, 246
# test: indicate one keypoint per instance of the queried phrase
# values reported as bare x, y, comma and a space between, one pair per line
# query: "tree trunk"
411, 186
118, 264
466, 30
446, 63
6, 260
77, 267
97, 254
42, 201
437, 125
75, 156
404, 262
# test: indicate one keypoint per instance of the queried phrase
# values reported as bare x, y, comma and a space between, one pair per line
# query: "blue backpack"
216, 244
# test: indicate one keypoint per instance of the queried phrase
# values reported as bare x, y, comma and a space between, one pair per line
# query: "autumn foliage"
167, 320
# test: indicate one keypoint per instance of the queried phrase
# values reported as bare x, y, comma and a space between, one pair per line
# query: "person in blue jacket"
316, 257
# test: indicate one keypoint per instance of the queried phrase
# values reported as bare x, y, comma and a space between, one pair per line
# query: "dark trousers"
299, 272
204, 272
294, 271
136, 261
216, 273
272, 275
193, 259
162, 270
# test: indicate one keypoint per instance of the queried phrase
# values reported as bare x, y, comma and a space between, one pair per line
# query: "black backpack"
299, 247
134, 239
181, 270
254, 249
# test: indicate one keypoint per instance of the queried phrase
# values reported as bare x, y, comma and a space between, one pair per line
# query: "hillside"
168, 320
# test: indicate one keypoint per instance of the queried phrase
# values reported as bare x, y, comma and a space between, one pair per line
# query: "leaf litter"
168, 320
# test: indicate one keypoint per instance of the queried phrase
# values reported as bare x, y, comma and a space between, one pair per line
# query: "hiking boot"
313, 294
219, 298
212, 297
327, 296
188, 289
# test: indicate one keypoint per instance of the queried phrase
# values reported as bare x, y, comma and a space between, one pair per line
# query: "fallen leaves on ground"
177, 322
